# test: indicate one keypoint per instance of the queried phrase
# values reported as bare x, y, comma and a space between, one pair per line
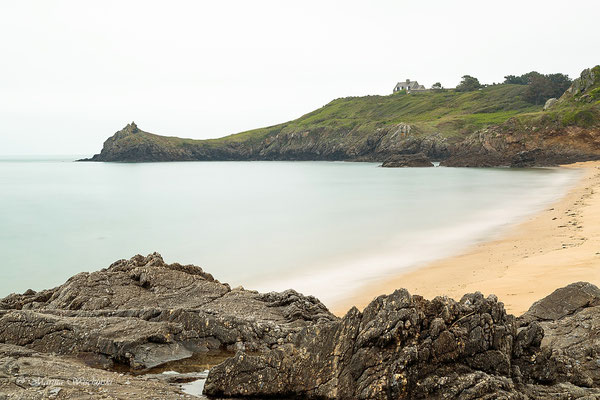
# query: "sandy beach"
551, 249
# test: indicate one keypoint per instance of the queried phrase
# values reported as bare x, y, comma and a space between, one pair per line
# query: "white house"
409, 86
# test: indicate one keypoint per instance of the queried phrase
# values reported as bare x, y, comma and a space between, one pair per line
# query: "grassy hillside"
449, 112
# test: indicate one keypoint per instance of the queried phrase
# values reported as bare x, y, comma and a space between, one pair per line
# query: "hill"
443, 124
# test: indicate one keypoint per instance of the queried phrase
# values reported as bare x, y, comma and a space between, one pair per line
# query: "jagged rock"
400, 344
405, 347
143, 312
407, 160
588, 78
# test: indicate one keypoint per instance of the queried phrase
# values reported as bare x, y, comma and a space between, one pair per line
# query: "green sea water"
323, 228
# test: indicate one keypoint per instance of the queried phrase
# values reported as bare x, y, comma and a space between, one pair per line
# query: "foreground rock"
570, 318
405, 347
143, 312
28, 375
407, 160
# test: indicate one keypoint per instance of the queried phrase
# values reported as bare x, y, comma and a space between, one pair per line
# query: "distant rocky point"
142, 313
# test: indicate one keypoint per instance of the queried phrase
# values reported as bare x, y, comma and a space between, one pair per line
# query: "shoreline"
550, 249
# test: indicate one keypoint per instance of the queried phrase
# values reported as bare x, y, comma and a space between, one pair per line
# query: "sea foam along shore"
553, 248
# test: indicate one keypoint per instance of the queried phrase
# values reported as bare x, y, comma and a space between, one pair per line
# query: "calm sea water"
323, 228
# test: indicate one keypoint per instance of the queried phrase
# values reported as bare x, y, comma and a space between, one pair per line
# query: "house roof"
410, 84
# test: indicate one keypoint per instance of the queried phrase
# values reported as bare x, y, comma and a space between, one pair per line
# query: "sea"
322, 228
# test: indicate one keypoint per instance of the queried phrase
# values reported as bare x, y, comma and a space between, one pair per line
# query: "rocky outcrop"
134, 145
407, 160
517, 144
405, 347
582, 86
570, 318
143, 312
549, 103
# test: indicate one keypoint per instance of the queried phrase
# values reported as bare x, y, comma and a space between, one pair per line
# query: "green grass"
447, 112
450, 113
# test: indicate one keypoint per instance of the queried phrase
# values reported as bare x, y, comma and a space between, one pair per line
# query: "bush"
468, 84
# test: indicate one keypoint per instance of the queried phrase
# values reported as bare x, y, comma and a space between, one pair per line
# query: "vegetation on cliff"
449, 112
541, 87
578, 106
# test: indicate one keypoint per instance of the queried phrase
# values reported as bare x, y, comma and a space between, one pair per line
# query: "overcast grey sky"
74, 72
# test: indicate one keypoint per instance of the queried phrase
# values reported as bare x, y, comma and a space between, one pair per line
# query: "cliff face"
133, 145
484, 128
567, 131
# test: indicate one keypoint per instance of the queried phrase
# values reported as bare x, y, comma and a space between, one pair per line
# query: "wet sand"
551, 249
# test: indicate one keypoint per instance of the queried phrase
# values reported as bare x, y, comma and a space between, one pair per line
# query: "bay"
323, 228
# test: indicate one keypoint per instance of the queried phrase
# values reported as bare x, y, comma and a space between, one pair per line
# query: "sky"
74, 72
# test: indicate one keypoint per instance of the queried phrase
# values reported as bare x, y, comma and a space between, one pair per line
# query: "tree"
543, 87
437, 85
560, 83
515, 80
468, 84
540, 87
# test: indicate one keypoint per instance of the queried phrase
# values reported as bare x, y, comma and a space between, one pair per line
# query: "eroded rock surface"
570, 318
143, 312
405, 347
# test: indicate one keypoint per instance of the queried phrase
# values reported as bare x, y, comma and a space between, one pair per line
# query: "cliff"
568, 130
492, 126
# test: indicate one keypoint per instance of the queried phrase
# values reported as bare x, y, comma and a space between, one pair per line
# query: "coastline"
551, 249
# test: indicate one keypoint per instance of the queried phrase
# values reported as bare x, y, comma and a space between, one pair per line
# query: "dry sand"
551, 249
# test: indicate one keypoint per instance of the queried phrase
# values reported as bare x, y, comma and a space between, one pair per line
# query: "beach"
553, 248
